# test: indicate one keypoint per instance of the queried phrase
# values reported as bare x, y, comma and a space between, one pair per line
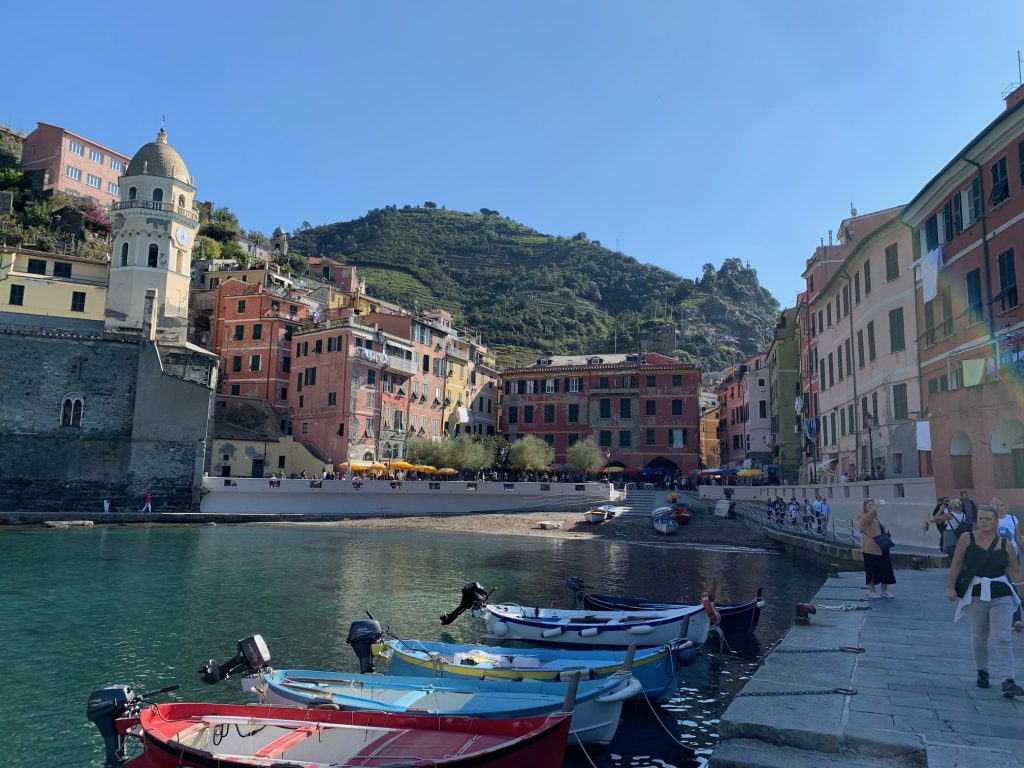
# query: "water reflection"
148, 606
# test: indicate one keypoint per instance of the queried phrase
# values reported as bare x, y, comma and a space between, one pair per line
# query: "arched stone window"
132, 193
368, 456
158, 195
181, 201
154, 255
124, 254
71, 410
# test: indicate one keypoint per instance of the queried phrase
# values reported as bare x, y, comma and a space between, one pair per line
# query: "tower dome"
158, 158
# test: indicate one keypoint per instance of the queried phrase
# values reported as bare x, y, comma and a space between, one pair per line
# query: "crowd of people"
810, 516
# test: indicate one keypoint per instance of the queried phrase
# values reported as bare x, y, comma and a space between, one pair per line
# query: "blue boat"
595, 713
657, 669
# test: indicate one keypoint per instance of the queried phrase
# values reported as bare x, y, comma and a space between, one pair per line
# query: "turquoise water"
149, 606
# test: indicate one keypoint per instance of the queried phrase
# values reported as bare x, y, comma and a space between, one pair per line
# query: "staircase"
643, 502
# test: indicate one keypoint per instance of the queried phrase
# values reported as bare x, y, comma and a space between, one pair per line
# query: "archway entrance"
1008, 454
960, 458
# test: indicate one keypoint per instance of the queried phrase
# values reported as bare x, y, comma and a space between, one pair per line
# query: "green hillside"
527, 293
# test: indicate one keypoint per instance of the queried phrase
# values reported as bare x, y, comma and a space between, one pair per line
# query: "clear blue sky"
679, 132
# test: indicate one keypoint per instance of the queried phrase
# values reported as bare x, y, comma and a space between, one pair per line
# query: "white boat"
620, 629
595, 516
254, 497
596, 705
665, 524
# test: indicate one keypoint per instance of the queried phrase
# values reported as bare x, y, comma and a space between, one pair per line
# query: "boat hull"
243, 736
666, 525
578, 628
657, 669
595, 714
733, 617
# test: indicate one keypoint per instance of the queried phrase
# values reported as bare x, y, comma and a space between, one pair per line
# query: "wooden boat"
682, 514
610, 511
665, 524
657, 669
246, 736
595, 712
619, 629
733, 617
595, 516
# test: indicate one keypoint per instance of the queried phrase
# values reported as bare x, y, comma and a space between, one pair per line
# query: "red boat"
239, 735
682, 514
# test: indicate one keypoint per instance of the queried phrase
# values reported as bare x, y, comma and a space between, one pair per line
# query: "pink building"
746, 419
75, 165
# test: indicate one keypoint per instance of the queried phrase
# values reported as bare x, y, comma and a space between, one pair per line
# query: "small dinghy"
596, 705
610, 511
682, 514
657, 669
247, 736
595, 516
665, 524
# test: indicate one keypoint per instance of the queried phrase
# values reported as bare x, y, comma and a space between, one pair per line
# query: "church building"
120, 409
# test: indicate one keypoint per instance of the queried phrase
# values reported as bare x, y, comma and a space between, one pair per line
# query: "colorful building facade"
74, 164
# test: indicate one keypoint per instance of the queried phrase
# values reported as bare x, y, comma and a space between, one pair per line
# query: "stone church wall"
48, 468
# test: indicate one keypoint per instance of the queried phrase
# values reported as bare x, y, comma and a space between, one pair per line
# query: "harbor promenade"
915, 704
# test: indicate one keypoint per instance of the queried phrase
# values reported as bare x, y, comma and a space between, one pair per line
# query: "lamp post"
870, 422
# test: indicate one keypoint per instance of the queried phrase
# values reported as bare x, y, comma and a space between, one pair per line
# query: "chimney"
149, 315
830, 237
1014, 97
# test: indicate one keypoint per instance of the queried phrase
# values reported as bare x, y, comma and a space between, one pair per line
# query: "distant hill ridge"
528, 293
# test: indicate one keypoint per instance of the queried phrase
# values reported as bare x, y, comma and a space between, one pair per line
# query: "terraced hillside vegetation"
528, 294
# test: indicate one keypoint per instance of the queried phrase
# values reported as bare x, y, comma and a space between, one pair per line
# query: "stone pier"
915, 704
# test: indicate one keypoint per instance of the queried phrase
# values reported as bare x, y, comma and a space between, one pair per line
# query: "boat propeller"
109, 704
474, 596
252, 656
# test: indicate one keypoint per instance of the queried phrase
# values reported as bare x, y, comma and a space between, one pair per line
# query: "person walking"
106, 503
1008, 527
989, 598
939, 516
826, 513
147, 505
877, 564
955, 524
970, 507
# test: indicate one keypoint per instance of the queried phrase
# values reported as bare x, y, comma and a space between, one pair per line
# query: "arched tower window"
181, 201
132, 193
154, 253
71, 410
158, 195
124, 254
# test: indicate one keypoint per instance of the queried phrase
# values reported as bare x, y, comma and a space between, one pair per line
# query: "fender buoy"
553, 632
709, 608
588, 632
500, 628
641, 629
687, 657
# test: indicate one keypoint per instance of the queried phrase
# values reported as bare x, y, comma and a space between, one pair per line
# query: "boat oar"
570, 694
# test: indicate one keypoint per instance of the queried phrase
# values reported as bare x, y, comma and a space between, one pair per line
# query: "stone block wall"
38, 371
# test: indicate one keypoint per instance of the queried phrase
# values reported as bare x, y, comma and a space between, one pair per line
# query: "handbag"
883, 540
966, 575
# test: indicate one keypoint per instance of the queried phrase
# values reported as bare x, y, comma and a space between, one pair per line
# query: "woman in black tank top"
983, 554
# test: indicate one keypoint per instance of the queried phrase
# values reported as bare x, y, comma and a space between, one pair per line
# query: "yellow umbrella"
401, 464
447, 471
377, 467
355, 465
612, 470
749, 473
425, 468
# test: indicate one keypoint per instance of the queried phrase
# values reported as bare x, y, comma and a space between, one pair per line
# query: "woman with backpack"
956, 524
981, 579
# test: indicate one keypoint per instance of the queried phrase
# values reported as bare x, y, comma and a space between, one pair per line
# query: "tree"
420, 450
530, 453
429, 204
232, 251
585, 456
206, 248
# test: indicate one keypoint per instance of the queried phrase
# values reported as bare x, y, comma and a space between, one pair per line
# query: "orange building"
75, 165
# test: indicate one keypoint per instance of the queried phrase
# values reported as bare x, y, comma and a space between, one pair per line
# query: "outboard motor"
575, 583
473, 598
110, 703
362, 634
252, 656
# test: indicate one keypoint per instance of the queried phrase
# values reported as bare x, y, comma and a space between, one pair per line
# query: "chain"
842, 649
840, 691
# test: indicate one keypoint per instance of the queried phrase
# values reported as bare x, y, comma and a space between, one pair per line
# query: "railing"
153, 205
456, 352
832, 528
400, 364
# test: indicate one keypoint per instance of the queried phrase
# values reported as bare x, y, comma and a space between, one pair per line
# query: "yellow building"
240, 452
48, 290
710, 448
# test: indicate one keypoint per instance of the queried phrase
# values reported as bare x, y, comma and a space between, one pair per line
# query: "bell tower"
154, 226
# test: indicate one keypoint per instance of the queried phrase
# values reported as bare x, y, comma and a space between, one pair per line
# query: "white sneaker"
873, 595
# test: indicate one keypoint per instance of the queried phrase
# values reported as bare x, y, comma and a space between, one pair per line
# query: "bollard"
803, 613
833, 571
915, 563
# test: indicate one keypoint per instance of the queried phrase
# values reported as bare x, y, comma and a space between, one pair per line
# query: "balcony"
399, 364
152, 205
459, 354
